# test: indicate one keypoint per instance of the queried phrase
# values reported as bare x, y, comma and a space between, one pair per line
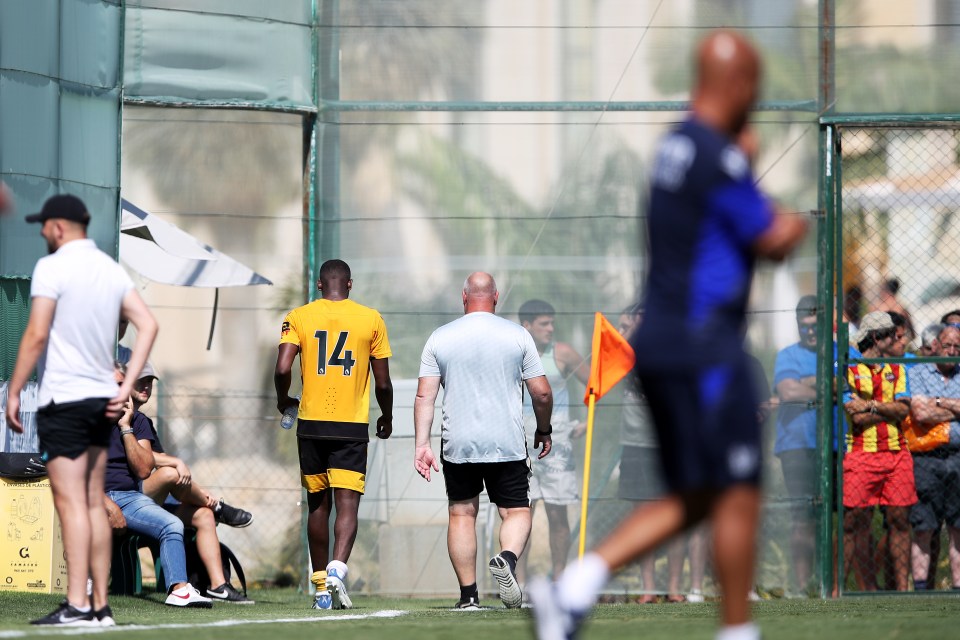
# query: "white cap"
148, 372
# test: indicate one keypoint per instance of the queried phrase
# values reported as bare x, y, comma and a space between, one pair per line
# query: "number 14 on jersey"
339, 357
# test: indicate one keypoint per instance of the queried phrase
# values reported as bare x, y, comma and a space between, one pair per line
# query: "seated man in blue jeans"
171, 486
129, 462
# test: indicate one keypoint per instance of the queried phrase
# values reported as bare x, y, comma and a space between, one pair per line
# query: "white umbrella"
164, 253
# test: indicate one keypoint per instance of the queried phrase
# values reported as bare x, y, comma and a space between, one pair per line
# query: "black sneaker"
226, 593
510, 593
66, 615
232, 516
105, 617
470, 604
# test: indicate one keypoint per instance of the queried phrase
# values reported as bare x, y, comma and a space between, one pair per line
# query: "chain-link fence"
422, 141
901, 464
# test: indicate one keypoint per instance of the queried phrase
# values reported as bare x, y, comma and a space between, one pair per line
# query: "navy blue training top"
705, 214
119, 476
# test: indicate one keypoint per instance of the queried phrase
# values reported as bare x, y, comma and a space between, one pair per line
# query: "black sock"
919, 585
511, 559
469, 591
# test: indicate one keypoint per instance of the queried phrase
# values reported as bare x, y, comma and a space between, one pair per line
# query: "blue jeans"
146, 517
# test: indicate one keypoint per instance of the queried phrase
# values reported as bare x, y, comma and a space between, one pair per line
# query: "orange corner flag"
611, 358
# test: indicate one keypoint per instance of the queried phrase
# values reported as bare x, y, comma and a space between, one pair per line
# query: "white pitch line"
72, 631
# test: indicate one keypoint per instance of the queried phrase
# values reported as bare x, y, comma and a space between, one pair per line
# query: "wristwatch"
548, 432
126, 432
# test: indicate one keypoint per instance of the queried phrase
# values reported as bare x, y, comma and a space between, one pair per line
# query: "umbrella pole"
213, 318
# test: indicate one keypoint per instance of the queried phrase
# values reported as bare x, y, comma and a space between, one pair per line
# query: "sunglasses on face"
883, 334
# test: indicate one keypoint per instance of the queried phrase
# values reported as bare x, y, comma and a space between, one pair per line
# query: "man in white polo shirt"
483, 363
78, 293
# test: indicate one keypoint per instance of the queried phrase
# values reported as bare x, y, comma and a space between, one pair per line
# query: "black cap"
63, 207
806, 307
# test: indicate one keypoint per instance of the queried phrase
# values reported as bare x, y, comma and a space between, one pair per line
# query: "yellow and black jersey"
337, 340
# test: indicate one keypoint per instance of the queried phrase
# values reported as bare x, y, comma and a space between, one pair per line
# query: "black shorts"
332, 463
507, 483
937, 476
70, 428
707, 426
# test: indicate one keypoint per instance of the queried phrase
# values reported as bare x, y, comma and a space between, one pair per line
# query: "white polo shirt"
482, 361
88, 287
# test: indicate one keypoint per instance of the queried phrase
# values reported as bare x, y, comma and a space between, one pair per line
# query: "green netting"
59, 121
14, 310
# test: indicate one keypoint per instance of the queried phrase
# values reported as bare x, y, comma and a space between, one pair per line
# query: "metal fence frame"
830, 313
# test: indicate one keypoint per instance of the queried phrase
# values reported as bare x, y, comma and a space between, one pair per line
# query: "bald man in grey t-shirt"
483, 362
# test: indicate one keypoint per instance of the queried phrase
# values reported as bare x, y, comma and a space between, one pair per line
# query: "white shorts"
555, 487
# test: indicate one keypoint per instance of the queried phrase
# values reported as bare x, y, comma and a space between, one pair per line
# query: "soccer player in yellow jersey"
340, 342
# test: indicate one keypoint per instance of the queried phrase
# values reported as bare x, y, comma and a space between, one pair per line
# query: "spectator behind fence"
795, 382
951, 318
77, 294
930, 345
853, 308
883, 557
130, 461
171, 485
877, 468
641, 478
934, 439
903, 337
339, 343
930, 339
554, 479
483, 363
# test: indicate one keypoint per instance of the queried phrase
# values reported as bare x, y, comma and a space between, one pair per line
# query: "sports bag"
925, 437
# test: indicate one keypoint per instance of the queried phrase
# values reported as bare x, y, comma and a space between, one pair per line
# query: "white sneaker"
322, 600
695, 596
338, 590
187, 596
552, 621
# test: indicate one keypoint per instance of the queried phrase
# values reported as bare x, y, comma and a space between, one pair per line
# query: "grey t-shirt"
482, 361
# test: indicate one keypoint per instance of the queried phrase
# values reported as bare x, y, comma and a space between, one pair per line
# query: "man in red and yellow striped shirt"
877, 468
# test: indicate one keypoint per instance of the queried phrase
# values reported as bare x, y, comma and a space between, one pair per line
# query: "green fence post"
825, 268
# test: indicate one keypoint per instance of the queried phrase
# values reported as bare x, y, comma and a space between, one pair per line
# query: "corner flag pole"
585, 495
611, 358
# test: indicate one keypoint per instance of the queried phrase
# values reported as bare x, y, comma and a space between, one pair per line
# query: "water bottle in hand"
290, 415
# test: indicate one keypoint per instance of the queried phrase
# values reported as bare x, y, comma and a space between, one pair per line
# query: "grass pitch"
285, 614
